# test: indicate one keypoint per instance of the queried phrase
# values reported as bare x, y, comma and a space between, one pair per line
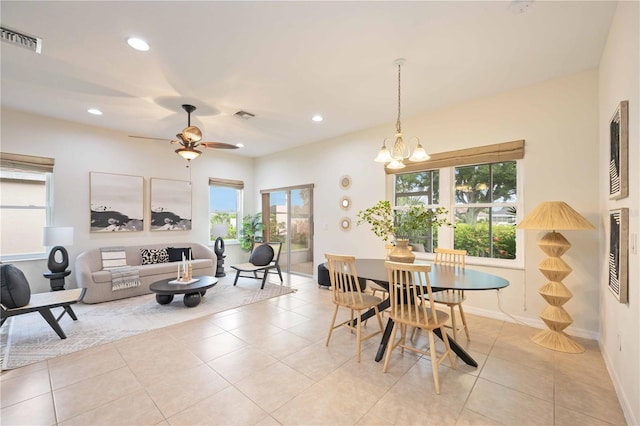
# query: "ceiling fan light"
192, 134
188, 153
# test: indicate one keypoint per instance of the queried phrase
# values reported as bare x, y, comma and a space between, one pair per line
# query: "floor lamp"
553, 216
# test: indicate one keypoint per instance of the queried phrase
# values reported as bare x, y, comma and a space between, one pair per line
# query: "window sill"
23, 257
478, 261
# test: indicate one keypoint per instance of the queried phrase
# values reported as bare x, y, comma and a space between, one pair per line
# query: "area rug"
26, 339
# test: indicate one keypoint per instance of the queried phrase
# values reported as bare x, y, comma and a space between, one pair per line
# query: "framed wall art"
116, 202
619, 152
170, 205
619, 253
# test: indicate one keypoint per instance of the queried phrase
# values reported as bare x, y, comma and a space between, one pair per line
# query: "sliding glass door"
288, 216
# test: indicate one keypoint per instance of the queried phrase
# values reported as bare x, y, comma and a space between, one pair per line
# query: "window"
25, 207
480, 188
485, 210
419, 188
225, 208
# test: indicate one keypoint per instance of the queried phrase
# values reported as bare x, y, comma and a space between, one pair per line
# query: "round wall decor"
345, 182
345, 224
345, 203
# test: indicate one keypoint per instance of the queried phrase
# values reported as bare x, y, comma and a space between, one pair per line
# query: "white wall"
80, 149
619, 80
559, 122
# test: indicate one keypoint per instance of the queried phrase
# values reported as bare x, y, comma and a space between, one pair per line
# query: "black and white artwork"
619, 157
619, 253
116, 202
170, 205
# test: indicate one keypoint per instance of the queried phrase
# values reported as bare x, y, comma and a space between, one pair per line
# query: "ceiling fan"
190, 138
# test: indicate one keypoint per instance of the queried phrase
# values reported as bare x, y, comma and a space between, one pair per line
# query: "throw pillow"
113, 257
175, 253
152, 256
261, 255
14, 290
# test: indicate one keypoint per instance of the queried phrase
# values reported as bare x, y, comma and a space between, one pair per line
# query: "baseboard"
622, 397
531, 322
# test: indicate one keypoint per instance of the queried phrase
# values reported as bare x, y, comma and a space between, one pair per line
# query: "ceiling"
284, 62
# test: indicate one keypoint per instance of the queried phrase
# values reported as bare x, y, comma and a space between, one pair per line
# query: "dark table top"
163, 287
441, 276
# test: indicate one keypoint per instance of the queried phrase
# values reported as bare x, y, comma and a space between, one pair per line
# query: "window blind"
19, 162
228, 183
495, 153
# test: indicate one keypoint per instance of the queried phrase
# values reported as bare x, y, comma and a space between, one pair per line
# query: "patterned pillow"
151, 256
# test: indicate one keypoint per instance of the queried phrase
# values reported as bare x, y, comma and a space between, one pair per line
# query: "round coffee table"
192, 292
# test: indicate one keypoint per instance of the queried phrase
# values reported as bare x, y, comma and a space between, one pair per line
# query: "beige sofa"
90, 274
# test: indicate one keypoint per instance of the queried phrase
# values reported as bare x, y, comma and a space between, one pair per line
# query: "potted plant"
401, 224
252, 228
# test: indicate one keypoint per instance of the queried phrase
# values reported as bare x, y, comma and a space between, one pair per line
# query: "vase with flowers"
401, 224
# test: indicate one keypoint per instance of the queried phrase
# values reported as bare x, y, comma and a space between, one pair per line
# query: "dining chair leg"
333, 321
358, 338
434, 361
390, 346
447, 346
453, 323
464, 322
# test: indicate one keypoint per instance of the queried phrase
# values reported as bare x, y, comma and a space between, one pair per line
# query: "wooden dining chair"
452, 298
408, 281
346, 292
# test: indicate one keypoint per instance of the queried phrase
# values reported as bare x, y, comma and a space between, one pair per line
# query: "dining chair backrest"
408, 281
345, 285
450, 257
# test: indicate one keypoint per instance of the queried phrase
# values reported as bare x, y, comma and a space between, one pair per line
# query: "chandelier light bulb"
400, 150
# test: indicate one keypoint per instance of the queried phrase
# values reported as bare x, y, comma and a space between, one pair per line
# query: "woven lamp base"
557, 341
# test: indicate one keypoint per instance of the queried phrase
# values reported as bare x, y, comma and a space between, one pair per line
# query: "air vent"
23, 40
244, 115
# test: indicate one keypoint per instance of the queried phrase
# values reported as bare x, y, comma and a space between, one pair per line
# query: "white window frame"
446, 234
48, 207
239, 214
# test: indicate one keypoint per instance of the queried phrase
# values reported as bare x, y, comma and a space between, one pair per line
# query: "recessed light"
317, 118
240, 145
138, 44
94, 111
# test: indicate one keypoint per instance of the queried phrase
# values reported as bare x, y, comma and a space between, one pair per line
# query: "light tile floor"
267, 364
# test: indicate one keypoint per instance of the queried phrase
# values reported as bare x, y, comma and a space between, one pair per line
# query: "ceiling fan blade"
218, 145
154, 139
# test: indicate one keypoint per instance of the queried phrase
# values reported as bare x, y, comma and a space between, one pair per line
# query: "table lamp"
56, 237
553, 216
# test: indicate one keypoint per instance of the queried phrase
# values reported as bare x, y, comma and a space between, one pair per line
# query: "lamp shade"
57, 236
220, 230
554, 215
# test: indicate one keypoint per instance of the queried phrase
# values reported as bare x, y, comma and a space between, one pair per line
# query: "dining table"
441, 277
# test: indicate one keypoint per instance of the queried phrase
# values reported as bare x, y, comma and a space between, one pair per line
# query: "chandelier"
400, 150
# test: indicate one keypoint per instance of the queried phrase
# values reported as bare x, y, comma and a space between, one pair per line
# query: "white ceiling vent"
244, 115
23, 40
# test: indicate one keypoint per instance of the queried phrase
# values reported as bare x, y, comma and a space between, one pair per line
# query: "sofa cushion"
155, 269
152, 256
175, 253
14, 290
